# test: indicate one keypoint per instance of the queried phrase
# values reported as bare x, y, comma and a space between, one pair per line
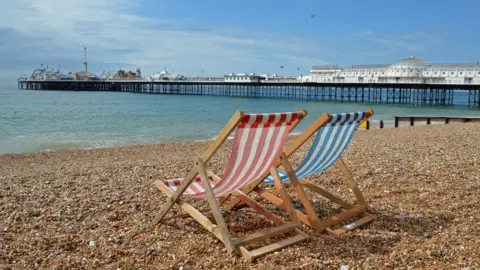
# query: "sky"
216, 37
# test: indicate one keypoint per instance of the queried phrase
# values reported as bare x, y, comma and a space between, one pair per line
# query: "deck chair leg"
280, 188
351, 210
276, 192
192, 212
325, 193
312, 214
175, 196
258, 208
222, 225
351, 183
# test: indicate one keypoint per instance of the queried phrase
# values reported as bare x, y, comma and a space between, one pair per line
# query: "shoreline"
374, 125
403, 121
421, 182
50, 121
126, 145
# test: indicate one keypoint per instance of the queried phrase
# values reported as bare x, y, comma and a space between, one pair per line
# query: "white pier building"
409, 70
242, 77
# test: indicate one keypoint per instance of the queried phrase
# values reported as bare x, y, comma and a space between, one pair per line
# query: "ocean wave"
84, 140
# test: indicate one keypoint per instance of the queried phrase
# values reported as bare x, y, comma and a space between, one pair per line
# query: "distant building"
67, 77
165, 76
242, 77
44, 74
271, 77
304, 78
107, 75
85, 75
121, 75
408, 70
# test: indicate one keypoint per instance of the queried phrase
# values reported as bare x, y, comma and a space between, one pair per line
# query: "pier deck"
406, 93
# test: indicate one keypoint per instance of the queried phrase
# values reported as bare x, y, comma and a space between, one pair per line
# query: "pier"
420, 94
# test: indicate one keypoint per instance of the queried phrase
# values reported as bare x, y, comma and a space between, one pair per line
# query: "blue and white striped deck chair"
333, 135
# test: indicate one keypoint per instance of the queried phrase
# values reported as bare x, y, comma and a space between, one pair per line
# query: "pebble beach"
92, 209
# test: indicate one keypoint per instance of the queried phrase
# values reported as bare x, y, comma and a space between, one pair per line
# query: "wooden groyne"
430, 120
411, 94
419, 120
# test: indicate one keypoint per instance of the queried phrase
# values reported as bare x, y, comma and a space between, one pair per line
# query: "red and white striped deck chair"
257, 145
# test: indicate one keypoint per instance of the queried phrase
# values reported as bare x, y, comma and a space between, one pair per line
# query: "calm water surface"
32, 121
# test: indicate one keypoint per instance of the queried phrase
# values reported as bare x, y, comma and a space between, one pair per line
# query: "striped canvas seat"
258, 142
330, 142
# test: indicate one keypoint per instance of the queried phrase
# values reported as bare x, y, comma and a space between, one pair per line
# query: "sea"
34, 121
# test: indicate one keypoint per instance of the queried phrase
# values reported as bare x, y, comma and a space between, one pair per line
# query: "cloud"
55, 32
414, 42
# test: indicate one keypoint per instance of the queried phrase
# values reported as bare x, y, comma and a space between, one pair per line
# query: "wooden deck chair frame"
311, 218
220, 229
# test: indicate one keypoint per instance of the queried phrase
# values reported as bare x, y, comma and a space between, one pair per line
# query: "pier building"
408, 70
242, 77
